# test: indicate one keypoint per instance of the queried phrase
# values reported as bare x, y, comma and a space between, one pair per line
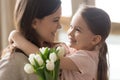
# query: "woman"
37, 21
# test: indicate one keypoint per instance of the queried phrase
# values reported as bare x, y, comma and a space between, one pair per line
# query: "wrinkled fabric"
12, 67
87, 63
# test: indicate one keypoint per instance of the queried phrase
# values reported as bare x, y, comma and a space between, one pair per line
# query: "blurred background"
69, 7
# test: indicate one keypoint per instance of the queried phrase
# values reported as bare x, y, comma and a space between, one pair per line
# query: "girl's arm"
67, 64
20, 42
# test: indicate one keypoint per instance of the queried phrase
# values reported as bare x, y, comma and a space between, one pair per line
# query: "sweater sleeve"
8, 70
12, 67
82, 61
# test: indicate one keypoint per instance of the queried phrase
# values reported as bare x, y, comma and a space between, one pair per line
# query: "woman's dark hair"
99, 23
27, 10
24, 14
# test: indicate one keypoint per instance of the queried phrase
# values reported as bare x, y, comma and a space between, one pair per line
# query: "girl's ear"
96, 39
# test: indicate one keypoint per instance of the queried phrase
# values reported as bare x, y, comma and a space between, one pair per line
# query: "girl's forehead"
77, 20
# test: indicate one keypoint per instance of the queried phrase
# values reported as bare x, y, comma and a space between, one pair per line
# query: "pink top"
87, 63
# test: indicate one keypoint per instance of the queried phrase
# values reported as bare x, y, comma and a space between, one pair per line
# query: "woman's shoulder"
19, 56
11, 66
14, 59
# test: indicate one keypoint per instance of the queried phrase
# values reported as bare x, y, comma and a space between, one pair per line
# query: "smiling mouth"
72, 40
53, 33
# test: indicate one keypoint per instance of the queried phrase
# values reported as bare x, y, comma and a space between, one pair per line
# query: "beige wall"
0, 27
6, 20
115, 28
77, 3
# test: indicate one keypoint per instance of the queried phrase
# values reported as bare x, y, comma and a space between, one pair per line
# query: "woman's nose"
59, 26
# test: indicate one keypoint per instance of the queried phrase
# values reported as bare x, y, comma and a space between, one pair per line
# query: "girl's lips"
72, 40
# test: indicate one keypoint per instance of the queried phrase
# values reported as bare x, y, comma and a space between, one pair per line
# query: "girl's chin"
71, 45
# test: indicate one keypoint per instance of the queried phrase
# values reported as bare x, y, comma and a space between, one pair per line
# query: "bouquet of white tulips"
45, 63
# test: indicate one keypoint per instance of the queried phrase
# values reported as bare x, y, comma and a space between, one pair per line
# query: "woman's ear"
96, 39
35, 23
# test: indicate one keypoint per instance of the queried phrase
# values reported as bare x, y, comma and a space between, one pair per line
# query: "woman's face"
79, 34
48, 26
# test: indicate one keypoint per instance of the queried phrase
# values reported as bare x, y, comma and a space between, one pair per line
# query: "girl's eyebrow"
77, 27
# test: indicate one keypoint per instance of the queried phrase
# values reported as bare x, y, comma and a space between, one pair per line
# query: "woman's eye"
55, 20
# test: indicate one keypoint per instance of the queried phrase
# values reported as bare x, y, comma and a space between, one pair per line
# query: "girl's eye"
78, 30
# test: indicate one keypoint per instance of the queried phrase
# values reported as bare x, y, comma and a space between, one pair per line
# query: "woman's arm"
20, 42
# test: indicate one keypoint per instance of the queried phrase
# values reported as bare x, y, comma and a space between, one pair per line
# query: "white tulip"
31, 58
39, 59
61, 51
28, 68
53, 57
42, 50
50, 65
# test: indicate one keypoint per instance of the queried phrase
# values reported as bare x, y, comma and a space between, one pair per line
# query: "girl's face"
79, 34
48, 26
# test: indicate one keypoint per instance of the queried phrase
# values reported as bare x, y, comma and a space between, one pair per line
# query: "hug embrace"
37, 22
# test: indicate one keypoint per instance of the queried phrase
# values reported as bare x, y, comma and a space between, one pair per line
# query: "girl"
86, 60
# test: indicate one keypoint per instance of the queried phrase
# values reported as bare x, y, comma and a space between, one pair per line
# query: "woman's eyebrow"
56, 18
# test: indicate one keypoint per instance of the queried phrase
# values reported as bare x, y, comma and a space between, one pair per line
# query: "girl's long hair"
99, 23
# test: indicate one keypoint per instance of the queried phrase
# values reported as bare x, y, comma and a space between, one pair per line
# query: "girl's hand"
16, 39
12, 37
65, 47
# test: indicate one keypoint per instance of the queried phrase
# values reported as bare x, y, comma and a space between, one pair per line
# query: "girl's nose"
70, 31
